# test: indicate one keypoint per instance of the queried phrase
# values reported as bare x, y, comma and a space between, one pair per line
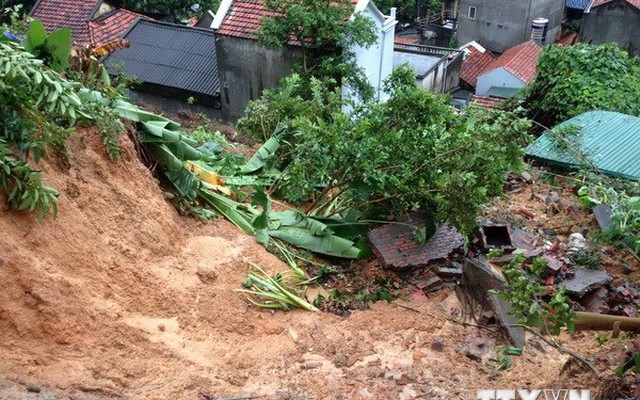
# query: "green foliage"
574, 79
632, 363
24, 186
412, 152
524, 292
13, 18
45, 90
285, 104
625, 213
38, 110
283, 291
53, 49
502, 359
196, 173
325, 30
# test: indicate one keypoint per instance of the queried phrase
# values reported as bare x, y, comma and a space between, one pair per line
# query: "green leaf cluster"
23, 185
178, 10
53, 49
571, 80
625, 212
529, 305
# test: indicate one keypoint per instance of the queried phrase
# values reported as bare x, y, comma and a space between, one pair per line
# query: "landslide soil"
121, 297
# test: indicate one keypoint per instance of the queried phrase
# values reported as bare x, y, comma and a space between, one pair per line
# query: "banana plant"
195, 176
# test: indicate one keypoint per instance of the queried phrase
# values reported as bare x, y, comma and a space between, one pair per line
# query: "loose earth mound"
121, 297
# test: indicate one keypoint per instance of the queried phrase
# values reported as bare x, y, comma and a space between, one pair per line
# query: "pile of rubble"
589, 288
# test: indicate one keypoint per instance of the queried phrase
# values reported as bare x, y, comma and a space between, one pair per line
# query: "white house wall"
377, 59
499, 77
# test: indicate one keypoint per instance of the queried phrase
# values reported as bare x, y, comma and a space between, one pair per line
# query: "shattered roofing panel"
610, 139
176, 56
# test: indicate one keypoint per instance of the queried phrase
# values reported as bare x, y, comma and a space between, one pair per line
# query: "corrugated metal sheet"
578, 4
610, 139
171, 55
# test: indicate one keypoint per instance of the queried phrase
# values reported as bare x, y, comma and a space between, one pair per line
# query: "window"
472, 12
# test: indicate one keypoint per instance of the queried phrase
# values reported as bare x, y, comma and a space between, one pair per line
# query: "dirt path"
120, 297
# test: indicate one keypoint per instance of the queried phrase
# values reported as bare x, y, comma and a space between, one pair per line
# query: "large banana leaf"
129, 111
326, 244
261, 156
185, 182
230, 210
164, 156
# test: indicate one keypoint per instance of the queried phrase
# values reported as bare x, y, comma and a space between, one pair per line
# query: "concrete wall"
498, 77
616, 21
246, 69
501, 24
444, 77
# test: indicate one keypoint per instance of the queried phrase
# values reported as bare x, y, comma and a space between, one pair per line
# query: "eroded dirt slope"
120, 297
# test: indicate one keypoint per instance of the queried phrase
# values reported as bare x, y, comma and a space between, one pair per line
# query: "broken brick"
397, 247
449, 273
602, 213
585, 280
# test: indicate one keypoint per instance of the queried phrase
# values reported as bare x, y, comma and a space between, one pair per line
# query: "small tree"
325, 30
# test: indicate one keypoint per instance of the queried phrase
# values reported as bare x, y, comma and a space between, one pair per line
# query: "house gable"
598, 3
613, 21
498, 78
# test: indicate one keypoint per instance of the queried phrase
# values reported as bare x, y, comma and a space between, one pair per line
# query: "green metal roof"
610, 139
501, 91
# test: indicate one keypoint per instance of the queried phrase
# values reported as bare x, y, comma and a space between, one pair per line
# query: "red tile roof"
486, 101
111, 26
474, 63
635, 3
77, 15
520, 61
403, 40
73, 14
243, 18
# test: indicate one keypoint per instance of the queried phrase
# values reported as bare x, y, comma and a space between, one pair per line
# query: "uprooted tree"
409, 153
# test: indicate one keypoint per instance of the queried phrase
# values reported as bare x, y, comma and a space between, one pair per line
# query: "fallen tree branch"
209, 397
560, 348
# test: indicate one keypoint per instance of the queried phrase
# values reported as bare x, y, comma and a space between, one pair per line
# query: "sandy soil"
120, 297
